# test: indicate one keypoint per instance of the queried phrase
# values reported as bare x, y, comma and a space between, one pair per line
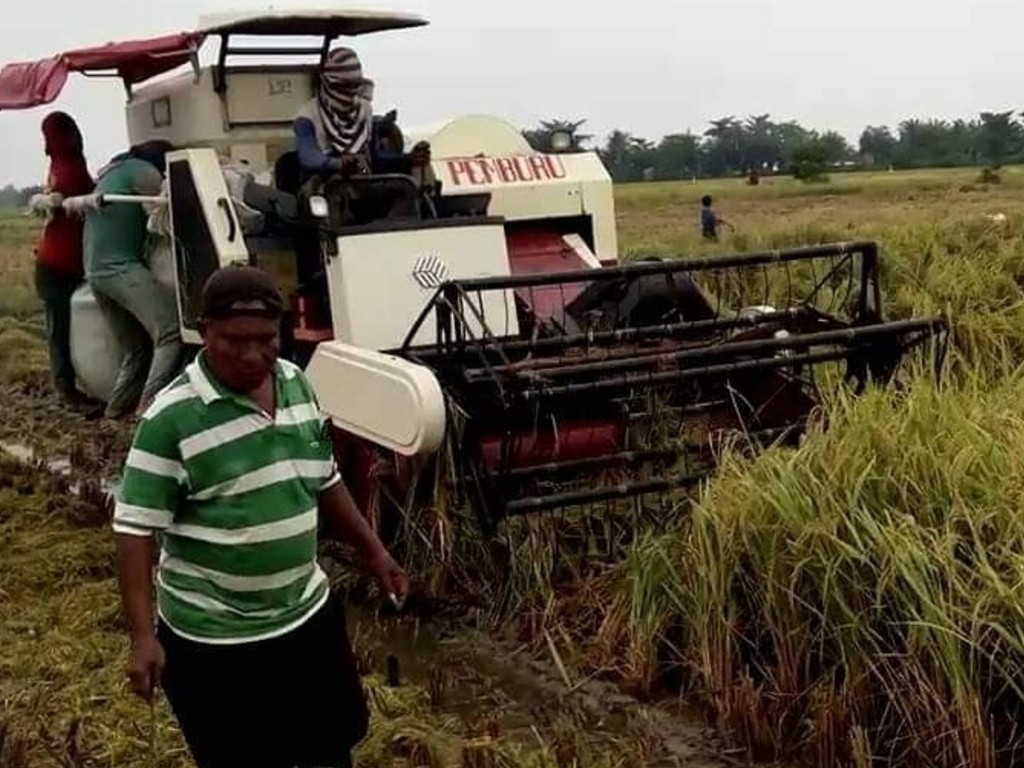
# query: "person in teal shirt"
141, 310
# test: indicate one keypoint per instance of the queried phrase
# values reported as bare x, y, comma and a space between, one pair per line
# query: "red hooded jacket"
60, 248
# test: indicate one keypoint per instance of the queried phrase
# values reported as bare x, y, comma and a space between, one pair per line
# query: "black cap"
153, 152
237, 290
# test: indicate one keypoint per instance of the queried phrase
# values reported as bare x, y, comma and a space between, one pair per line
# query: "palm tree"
540, 137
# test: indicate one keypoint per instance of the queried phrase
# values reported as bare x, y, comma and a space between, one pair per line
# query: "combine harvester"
487, 344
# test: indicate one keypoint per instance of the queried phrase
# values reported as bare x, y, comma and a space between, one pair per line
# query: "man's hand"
421, 154
147, 664
339, 509
136, 555
392, 578
350, 165
45, 204
80, 206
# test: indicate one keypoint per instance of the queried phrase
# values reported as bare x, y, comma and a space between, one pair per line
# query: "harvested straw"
62, 673
64, 700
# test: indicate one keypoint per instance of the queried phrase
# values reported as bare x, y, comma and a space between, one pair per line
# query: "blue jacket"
313, 160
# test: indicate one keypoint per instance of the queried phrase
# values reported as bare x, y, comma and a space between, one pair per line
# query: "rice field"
855, 601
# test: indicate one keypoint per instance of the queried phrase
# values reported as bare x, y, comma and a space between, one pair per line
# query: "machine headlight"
318, 207
561, 141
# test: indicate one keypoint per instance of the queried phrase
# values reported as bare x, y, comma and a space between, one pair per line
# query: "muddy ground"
463, 697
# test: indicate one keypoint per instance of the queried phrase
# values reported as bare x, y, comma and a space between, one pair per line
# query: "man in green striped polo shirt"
232, 468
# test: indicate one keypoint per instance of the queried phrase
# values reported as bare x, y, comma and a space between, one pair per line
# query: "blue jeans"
143, 315
56, 289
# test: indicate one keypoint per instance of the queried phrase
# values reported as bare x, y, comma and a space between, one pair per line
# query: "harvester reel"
645, 301
874, 363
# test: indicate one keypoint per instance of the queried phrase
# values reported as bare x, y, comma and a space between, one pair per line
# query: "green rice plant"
18, 295
860, 595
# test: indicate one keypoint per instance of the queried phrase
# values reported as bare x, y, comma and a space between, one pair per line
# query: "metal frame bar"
847, 336
260, 50
594, 495
639, 269
596, 462
869, 275
525, 387
626, 335
705, 372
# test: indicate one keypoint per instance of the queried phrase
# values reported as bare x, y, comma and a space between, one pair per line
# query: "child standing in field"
708, 220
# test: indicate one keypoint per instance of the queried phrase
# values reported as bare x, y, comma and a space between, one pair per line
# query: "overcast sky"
647, 66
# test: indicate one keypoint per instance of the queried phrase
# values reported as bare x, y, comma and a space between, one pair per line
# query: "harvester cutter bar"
703, 372
597, 495
846, 336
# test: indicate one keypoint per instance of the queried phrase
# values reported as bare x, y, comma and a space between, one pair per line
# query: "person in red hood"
59, 269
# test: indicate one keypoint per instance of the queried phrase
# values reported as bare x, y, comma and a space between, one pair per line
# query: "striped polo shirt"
232, 493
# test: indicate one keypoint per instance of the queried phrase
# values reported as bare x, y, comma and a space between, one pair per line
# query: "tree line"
757, 145
731, 146
16, 197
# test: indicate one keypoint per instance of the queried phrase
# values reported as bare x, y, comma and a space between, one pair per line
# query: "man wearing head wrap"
335, 136
334, 132
141, 310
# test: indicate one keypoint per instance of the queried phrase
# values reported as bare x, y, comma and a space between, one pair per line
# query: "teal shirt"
115, 236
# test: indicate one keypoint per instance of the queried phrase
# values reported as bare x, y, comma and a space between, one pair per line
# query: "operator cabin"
312, 125
297, 116
277, 122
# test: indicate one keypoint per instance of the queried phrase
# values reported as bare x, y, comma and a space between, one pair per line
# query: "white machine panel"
479, 153
381, 281
199, 189
384, 399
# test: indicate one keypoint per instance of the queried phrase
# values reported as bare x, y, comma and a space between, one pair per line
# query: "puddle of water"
20, 452
60, 466
474, 676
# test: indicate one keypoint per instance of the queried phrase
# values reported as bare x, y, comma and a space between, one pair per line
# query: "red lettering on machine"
487, 171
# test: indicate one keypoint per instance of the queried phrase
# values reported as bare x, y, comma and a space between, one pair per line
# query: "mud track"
480, 679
